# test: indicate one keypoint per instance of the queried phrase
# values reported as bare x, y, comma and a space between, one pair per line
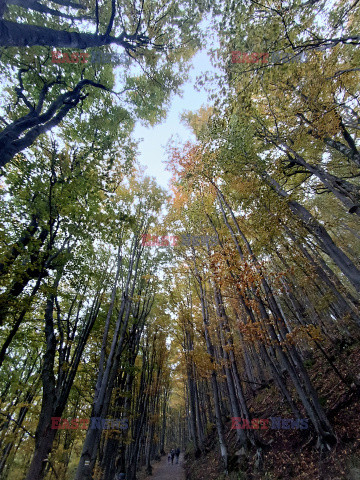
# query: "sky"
152, 148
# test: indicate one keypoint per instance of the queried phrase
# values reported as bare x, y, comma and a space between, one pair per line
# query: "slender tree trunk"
55, 394
214, 383
346, 192
163, 424
44, 436
19, 246
322, 237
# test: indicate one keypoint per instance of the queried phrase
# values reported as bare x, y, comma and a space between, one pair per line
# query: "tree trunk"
346, 192
322, 237
214, 383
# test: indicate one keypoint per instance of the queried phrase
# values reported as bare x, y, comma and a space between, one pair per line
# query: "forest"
220, 315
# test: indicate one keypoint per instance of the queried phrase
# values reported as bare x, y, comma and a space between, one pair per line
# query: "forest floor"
167, 471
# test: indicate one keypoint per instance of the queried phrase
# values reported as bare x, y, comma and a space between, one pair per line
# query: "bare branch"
97, 17
13, 34
38, 7
111, 22
18, 424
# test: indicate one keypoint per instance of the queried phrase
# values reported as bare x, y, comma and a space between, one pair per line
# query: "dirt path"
167, 471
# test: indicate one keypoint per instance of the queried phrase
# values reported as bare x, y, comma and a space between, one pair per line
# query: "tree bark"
55, 391
23, 132
19, 246
346, 192
320, 234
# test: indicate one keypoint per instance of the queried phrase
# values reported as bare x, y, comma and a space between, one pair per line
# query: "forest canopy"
118, 343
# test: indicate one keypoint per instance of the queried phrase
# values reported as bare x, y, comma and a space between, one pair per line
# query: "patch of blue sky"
152, 151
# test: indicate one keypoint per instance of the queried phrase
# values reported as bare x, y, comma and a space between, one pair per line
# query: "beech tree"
195, 167
177, 339
47, 94
133, 26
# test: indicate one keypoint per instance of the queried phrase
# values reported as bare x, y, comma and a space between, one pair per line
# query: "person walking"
177, 453
172, 455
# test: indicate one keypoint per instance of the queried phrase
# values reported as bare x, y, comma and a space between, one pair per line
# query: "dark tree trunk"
44, 436
214, 382
55, 392
19, 246
23, 132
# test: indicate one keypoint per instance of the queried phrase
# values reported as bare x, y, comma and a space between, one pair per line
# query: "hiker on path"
172, 455
177, 453
169, 457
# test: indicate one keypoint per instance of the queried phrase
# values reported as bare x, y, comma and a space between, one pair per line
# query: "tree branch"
111, 22
18, 424
11, 144
13, 34
38, 7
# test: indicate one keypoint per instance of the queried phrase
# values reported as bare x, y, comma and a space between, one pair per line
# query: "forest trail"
167, 471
